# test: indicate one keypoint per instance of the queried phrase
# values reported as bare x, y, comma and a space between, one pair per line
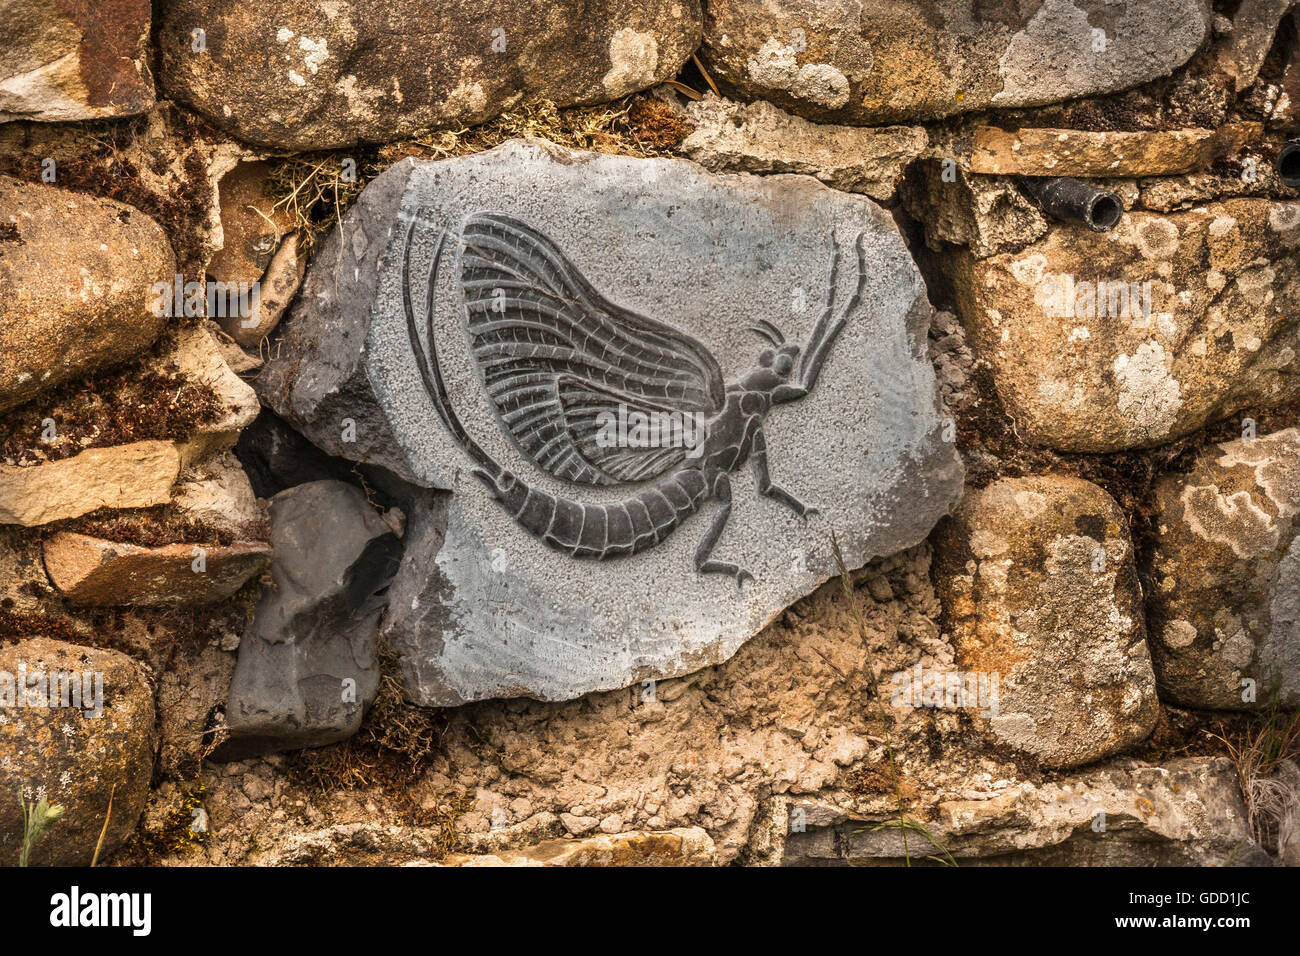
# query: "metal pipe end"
1288, 163
1077, 201
1104, 211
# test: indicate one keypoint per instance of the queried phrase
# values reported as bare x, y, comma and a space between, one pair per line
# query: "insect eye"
783, 364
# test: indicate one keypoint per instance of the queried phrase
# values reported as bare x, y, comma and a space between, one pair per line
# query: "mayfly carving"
558, 358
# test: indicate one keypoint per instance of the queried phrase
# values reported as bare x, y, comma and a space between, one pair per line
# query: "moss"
112, 407
16, 626
654, 125
183, 827
156, 527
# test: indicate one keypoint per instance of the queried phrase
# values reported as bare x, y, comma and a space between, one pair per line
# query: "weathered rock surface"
78, 756
1061, 152
1187, 812
67, 61
872, 62
1132, 338
1224, 592
76, 279
276, 289
251, 224
301, 76
985, 214
484, 608
218, 495
258, 249
759, 138
685, 846
1253, 27
138, 475
786, 715
89, 570
194, 354
307, 665
191, 691
1039, 588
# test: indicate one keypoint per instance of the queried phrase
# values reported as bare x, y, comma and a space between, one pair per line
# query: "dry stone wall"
696, 432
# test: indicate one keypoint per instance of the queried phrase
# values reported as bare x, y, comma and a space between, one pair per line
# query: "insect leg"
758, 458
703, 563
819, 330
819, 346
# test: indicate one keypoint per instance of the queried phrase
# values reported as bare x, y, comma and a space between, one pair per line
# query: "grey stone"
315, 630
482, 608
874, 61
1224, 589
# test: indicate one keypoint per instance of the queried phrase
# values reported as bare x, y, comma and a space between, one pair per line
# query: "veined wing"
557, 356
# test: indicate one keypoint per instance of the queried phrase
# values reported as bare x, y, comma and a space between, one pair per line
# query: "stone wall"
691, 433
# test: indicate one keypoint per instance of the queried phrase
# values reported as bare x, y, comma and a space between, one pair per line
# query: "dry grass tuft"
1258, 753
317, 189
634, 126
394, 747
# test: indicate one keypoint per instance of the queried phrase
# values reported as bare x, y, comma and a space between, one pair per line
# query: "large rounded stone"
1136, 337
305, 75
1224, 593
76, 285
873, 61
79, 756
1038, 586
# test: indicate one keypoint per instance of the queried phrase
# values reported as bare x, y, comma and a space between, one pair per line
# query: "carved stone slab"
492, 326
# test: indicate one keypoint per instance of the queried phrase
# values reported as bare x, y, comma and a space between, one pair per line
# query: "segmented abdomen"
609, 530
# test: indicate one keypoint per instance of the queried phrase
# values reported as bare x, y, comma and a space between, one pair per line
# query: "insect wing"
558, 358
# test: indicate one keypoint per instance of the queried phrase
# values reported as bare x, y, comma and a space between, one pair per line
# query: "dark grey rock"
482, 607
276, 457
314, 631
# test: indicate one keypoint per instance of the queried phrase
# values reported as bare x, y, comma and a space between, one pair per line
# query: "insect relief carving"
560, 362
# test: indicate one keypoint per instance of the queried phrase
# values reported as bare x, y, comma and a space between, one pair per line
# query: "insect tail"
489, 472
